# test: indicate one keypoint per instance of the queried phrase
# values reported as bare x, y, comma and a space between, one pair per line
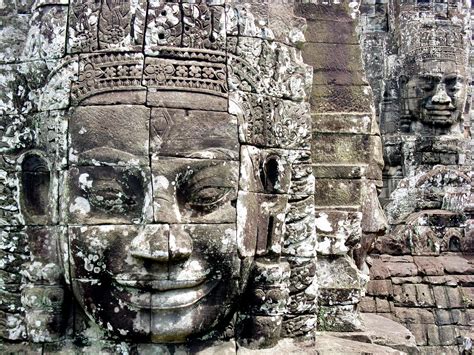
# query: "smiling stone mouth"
159, 285
439, 115
164, 294
439, 112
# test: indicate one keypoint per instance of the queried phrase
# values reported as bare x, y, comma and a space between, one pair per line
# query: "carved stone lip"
170, 299
439, 112
445, 115
154, 284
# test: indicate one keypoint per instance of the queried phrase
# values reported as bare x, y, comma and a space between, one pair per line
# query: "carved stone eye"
203, 191
453, 84
111, 199
35, 184
207, 198
428, 85
115, 194
451, 81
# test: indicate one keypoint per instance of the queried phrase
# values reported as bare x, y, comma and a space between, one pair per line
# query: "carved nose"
441, 97
152, 243
157, 243
180, 245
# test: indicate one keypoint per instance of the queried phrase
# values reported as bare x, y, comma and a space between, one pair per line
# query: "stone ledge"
381, 331
328, 344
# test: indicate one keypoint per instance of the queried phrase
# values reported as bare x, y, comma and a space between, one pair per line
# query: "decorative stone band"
188, 53
100, 73
431, 4
206, 73
185, 75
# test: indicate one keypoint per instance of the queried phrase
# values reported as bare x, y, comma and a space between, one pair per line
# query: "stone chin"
180, 325
191, 313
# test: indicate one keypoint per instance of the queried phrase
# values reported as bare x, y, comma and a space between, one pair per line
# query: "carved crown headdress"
434, 32
185, 46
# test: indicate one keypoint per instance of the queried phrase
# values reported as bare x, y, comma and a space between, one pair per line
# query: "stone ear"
35, 183
269, 173
402, 84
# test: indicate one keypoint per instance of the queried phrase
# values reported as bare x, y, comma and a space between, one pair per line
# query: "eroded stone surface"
174, 178
136, 216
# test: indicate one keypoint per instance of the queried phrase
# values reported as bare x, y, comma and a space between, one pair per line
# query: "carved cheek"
411, 89
458, 97
425, 100
213, 252
99, 252
425, 96
414, 97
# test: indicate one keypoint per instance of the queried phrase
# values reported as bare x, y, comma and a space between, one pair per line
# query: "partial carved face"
151, 212
436, 99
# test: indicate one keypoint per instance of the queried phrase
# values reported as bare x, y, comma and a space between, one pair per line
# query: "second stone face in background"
420, 269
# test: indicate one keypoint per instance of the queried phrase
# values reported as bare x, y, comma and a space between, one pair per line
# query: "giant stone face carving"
172, 205
425, 121
436, 99
165, 177
153, 249
433, 80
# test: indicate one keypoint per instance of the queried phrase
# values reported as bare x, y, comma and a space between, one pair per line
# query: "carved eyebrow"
214, 153
430, 76
454, 76
220, 174
107, 155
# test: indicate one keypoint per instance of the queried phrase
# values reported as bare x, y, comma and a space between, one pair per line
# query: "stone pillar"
347, 159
